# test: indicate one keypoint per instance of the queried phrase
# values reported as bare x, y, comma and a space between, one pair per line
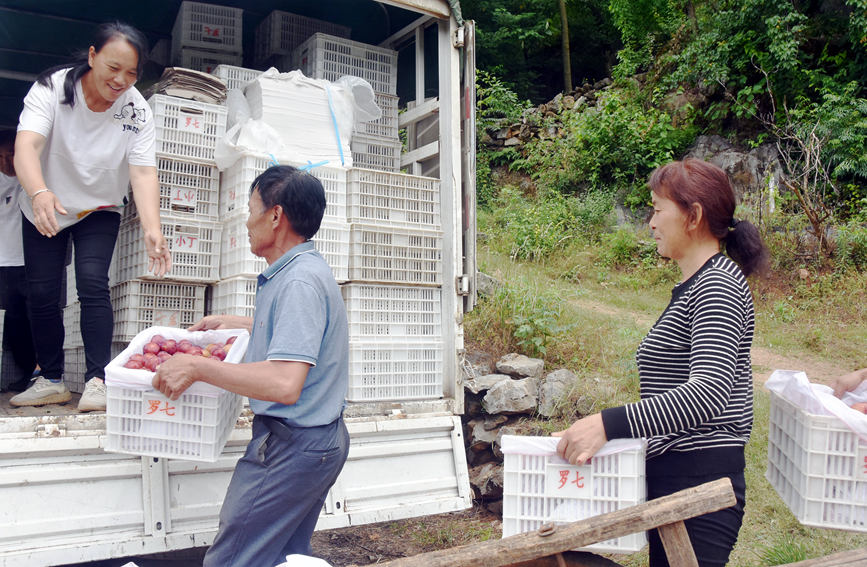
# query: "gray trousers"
277, 492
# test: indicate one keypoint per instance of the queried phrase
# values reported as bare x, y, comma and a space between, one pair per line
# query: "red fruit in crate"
184, 345
211, 347
151, 348
860, 406
230, 340
152, 363
163, 356
170, 346
159, 339
135, 364
137, 356
206, 353
195, 350
227, 348
219, 354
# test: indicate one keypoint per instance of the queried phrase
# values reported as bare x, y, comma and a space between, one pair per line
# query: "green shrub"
624, 248
852, 246
610, 147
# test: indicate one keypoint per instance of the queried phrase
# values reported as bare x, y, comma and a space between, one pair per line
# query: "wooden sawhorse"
551, 544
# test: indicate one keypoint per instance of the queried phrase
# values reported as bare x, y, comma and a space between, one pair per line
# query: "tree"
567, 61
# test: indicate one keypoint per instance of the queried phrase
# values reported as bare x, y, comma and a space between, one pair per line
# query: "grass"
602, 314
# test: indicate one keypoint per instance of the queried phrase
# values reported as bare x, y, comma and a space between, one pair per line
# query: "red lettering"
579, 480
564, 476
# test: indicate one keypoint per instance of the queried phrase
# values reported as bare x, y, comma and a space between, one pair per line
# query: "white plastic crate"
234, 296
818, 466
139, 304
207, 26
395, 369
392, 311
237, 178
236, 259
194, 245
235, 77
394, 199
386, 126
281, 32
205, 61
74, 367
187, 129
189, 189
324, 56
141, 421
370, 152
384, 254
71, 325
539, 487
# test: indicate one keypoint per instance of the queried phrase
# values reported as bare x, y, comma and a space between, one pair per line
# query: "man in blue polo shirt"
296, 373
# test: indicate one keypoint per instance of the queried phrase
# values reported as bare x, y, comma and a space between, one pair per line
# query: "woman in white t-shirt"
84, 135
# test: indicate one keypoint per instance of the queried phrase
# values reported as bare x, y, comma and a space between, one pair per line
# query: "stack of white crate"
236, 290
186, 135
280, 33
206, 35
394, 294
235, 77
376, 145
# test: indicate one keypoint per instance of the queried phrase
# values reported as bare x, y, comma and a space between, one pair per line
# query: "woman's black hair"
104, 34
693, 181
300, 195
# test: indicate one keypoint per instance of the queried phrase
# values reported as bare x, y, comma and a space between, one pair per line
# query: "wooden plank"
425, 152
437, 8
676, 507
852, 558
418, 112
571, 558
677, 546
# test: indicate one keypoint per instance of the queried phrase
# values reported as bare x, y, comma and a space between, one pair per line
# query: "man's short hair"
301, 196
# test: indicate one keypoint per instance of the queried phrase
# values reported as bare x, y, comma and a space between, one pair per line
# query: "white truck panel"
63, 499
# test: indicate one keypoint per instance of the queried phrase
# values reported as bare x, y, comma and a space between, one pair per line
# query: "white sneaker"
93, 397
42, 392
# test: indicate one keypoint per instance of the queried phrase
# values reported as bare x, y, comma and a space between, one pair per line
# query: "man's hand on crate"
582, 440
176, 374
216, 322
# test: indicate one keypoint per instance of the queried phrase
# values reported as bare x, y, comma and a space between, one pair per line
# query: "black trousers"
93, 240
17, 340
713, 536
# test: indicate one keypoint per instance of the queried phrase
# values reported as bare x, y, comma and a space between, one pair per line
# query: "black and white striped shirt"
694, 366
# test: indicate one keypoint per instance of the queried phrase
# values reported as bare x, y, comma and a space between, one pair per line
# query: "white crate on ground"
324, 56
281, 32
371, 152
394, 199
237, 178
187, 129
235, 77
141, 421
395, 369
139, 304
384, 254
818, 466
540, 487
236, 259
207, 26
392, 311
194, 245
188, 188
234, 296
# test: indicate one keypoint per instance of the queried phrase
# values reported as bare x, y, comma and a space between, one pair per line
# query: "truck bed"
7, 410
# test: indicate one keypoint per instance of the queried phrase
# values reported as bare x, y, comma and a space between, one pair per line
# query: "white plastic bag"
547, 446
297, 560
819, 399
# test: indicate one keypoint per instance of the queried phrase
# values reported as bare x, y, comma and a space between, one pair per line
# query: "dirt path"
765, 361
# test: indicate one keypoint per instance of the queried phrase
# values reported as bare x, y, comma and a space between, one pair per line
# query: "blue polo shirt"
300, 316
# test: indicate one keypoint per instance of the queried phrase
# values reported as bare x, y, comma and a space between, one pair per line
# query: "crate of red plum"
141, 421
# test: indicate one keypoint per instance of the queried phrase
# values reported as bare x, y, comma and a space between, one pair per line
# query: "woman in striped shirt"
696, 407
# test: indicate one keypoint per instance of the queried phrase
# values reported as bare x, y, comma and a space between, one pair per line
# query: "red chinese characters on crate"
160, 349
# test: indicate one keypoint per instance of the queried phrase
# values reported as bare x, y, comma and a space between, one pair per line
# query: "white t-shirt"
87, 154
11, 248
